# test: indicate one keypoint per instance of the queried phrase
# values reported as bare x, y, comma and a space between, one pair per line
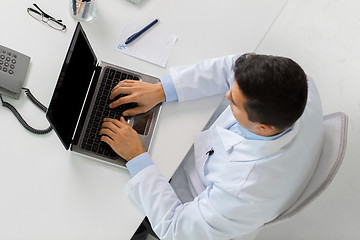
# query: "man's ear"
267, 130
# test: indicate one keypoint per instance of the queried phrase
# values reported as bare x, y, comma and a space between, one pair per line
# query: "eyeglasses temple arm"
44, 13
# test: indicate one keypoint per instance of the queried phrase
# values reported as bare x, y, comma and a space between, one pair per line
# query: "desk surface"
50, 193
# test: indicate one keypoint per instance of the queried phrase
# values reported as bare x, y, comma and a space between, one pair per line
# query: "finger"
120, 90
122, 100
107, 140
120, 124
107, 122
124, 84
112, 120
127, 82
134, 111
112, 124
122, 120
107, 132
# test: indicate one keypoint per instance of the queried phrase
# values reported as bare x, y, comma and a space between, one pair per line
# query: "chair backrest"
332, 154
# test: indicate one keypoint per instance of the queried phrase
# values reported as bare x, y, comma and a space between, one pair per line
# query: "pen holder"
83, 10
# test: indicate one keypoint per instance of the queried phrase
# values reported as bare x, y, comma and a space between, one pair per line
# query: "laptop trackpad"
142, 123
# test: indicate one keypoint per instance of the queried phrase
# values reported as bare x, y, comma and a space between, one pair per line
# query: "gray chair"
335, 136
332, 154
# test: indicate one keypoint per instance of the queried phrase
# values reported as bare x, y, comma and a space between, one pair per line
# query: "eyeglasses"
46, 18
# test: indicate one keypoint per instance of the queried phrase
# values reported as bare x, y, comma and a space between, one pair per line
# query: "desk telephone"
13, 69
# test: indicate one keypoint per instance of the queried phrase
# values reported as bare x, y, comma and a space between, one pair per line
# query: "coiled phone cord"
21, 119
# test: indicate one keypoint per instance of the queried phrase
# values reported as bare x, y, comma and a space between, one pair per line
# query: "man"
247, 168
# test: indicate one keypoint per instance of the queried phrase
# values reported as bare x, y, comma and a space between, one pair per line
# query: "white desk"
49, 193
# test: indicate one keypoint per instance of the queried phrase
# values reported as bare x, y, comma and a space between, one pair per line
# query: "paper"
153, 46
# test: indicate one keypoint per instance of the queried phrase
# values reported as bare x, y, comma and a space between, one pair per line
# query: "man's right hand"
146, 95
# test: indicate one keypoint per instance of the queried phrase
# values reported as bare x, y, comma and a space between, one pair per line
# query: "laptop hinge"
86, 105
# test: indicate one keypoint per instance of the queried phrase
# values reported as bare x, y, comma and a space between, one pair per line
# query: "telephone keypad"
13, 69
7, 61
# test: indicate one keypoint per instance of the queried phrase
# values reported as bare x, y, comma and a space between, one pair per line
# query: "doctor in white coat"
247, 168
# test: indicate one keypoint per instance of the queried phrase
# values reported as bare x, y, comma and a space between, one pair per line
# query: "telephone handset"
13, 69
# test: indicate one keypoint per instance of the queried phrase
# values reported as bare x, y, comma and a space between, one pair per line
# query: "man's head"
269, 93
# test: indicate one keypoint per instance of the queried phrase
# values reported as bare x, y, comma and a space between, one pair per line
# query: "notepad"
153, 46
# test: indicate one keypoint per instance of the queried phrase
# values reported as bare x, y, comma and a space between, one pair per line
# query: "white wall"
323, 36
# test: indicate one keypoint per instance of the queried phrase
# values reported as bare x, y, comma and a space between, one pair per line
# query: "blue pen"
137, 34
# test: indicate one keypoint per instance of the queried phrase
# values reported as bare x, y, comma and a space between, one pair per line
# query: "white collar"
245, 151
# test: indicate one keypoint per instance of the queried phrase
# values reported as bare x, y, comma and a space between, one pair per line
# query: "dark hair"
275, 89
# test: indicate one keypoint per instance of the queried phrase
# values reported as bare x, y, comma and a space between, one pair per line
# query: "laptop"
81, 101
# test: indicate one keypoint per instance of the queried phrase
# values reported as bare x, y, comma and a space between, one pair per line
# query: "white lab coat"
244, 183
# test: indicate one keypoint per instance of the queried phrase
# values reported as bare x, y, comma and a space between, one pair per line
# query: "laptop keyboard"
101, 110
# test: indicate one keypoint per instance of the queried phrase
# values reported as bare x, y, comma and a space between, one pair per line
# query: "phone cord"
21, 119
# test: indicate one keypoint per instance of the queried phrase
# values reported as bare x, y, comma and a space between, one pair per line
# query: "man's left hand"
122, 138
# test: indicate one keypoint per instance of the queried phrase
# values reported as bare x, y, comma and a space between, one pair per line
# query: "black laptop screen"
71, 88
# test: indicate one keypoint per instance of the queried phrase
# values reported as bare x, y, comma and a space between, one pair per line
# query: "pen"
74, 6
210, 152
137, 34
80, 3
